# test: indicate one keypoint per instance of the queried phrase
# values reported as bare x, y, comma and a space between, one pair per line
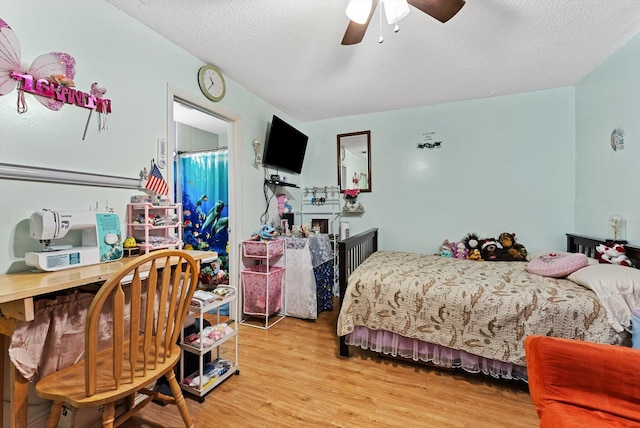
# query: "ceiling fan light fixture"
395, 10
358, 10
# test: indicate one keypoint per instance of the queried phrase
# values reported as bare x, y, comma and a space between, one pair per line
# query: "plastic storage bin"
263, 249
256, 300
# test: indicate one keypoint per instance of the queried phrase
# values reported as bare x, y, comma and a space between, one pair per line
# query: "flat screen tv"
285, 147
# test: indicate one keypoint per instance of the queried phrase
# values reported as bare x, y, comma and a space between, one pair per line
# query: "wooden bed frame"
354, 250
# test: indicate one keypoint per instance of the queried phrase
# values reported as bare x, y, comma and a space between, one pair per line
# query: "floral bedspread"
484, 308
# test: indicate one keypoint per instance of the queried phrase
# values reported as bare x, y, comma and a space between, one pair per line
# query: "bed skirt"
393, 344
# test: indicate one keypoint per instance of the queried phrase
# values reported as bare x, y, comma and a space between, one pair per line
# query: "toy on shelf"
265, 233
283, 205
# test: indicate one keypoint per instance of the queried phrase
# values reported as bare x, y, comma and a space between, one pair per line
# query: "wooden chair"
149, 302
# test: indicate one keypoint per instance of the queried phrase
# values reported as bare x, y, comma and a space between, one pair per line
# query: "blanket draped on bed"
483, 308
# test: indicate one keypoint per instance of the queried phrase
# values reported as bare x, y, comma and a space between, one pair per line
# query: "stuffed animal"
460, 250
475, 255
472, 242
265, 233
512, 250
446, 249
616, 254
283, 204
490, 250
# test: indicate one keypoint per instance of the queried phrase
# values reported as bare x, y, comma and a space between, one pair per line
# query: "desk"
309, 276
17, 291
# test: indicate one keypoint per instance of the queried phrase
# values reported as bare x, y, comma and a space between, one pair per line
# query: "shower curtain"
203, 181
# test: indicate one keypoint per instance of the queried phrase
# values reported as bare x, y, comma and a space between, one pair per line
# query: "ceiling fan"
361, 11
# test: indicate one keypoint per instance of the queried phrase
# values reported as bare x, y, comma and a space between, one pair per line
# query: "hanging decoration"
49, 78
97, 92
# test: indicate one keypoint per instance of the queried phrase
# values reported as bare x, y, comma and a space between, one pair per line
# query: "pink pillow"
557, 265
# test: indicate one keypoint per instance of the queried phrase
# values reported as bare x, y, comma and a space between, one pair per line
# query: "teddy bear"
512, 250
616, 254
460, 250
283, 204
490, 249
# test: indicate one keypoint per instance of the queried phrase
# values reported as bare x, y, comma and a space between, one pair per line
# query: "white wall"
136, 65
607, 181
506, 164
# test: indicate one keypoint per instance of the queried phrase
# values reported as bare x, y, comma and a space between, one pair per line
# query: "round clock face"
211, 82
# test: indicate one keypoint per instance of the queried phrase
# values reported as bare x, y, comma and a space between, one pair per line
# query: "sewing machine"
101, 239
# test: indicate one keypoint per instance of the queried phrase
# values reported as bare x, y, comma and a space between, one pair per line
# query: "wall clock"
211, 82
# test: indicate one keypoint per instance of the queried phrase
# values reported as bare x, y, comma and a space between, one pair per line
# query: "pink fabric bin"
635, 328
263, 249
255, 283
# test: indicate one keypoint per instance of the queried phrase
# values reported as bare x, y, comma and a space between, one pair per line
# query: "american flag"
156, 183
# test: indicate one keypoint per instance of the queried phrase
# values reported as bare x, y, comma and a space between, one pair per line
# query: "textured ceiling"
288, 52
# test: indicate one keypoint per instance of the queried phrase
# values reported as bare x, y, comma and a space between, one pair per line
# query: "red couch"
581, 384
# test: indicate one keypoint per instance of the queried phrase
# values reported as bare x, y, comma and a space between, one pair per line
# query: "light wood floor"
291, 376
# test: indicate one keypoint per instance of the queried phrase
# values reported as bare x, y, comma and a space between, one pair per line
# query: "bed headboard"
587, 245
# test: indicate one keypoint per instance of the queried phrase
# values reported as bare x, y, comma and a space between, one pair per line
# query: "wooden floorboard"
291, 376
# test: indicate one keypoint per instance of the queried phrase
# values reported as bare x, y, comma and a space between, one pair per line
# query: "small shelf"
206, 369
214, 381
281, 183
345, 211
262, 283
214, 345
149, 236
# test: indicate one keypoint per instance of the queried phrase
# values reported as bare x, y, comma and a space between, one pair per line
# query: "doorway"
211, 132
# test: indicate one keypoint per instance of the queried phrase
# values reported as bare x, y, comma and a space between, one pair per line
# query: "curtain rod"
35, 173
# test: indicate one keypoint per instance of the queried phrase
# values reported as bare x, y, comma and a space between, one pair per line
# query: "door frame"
234, 120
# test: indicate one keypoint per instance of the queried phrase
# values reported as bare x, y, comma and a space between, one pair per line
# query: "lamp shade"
395, 10
358, 10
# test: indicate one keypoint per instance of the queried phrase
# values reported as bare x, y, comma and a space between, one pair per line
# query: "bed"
469, 314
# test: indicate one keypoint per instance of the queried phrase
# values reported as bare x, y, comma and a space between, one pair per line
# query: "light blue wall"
506, 165
135, 64
607, 181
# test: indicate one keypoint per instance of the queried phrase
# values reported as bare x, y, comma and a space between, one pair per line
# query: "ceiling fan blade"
442, 10
355, 32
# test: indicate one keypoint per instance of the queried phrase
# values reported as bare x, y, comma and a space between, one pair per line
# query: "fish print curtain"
204, 184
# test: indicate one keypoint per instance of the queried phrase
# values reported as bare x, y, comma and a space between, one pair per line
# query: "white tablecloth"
302, 255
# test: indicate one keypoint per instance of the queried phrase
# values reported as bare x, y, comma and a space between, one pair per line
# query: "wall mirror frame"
354, 161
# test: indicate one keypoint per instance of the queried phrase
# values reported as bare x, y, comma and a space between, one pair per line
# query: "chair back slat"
178, 295
118, 332
162, 317
155, 314
149, 318
134, 321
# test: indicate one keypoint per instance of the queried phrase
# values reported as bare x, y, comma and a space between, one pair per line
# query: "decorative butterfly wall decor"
56, 67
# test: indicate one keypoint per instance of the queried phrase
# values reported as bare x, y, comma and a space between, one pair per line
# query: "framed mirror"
354, 161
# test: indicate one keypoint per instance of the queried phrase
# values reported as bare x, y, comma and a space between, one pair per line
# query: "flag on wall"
156, 183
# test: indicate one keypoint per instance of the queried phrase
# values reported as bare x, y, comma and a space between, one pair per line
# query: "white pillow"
617, 287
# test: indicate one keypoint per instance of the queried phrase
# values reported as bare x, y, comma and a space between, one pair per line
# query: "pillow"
557, 265
617, 287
